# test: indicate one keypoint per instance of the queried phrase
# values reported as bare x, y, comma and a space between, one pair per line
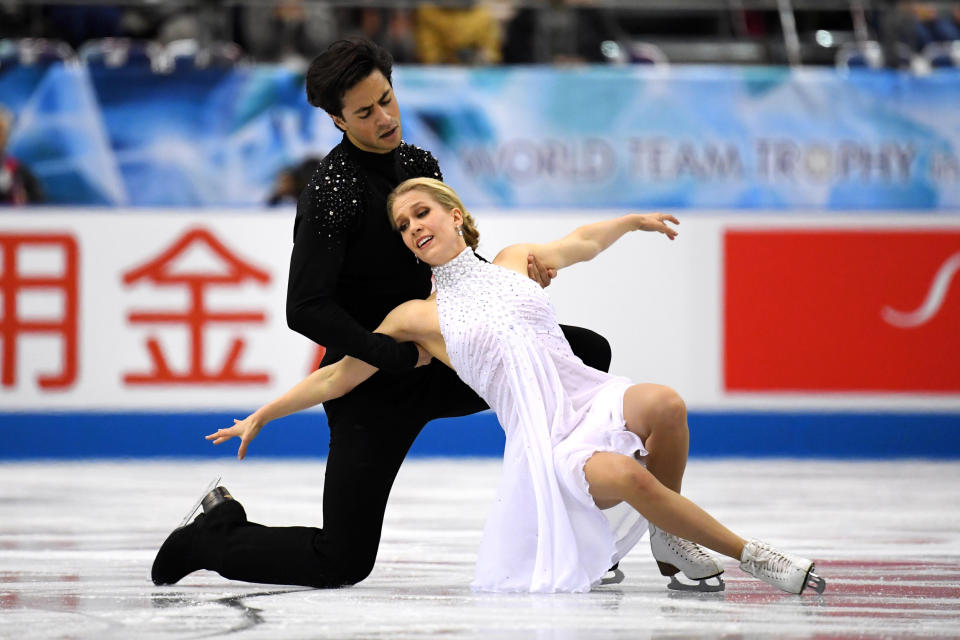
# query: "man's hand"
538, 272
425, 356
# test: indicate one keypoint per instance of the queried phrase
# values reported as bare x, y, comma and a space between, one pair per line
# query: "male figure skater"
348, 270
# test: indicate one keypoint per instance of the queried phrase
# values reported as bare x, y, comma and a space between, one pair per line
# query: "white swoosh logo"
930, 306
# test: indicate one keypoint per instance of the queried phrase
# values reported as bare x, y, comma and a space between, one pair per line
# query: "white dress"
544, 533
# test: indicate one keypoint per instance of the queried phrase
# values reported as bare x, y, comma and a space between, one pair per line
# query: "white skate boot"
613, 576
674, 555
790, 573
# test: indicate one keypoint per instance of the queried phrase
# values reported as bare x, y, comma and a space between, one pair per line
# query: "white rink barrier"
158, 312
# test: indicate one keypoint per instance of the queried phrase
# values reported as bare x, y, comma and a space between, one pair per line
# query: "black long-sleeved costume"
349, 268
347, 271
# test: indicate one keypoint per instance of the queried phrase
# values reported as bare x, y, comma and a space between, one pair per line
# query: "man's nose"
382, 116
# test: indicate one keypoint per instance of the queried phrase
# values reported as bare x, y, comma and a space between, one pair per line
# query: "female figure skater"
575, 443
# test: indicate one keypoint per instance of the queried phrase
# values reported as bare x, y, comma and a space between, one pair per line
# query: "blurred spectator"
291, 181
392, 29
76, 23
205, 21
288, 30
14, 21
566, 31
923, 23
469, 36
17, 184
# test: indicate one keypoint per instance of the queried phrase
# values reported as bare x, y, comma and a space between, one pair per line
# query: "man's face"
371, 116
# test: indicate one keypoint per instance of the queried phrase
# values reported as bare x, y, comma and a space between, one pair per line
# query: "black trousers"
371, 430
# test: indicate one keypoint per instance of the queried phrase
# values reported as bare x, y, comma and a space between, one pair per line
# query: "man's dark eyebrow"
370, 106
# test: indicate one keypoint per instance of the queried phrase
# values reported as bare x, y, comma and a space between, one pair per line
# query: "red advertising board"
842, 310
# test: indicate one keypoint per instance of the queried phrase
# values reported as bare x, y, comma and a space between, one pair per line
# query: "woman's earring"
460, 231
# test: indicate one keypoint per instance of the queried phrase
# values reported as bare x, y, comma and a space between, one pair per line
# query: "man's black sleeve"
318, 253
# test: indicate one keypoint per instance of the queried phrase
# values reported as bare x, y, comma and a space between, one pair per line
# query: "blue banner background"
684, 137
733, 434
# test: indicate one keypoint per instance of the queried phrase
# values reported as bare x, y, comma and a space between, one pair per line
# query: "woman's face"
427, 228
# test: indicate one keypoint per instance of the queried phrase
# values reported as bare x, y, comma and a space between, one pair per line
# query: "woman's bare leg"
613, 477
659, 416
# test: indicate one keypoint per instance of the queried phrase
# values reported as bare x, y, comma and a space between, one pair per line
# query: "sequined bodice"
489, 316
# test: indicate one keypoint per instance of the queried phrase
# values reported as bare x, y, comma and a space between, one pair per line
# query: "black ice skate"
674, 555
793, 574
205, 497
183, 551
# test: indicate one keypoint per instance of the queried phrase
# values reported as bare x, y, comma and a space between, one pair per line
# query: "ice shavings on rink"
77, 540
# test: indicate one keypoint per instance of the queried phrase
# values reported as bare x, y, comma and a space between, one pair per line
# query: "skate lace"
770, 562
689, 548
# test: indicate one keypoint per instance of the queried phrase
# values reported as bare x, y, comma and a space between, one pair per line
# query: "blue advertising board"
680, 137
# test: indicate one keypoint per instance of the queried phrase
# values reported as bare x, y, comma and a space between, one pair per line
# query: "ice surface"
77, 541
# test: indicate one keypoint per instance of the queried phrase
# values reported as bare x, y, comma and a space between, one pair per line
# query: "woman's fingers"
222, 435
238, 430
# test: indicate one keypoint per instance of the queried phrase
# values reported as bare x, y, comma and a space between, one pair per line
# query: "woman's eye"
423, 213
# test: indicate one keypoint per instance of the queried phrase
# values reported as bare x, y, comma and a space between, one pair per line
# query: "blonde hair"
445, 196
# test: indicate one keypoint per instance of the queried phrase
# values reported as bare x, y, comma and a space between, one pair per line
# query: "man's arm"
319, 248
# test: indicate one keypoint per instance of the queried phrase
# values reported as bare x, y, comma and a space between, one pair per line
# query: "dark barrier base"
748, 434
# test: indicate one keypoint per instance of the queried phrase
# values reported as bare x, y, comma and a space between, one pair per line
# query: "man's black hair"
341, 67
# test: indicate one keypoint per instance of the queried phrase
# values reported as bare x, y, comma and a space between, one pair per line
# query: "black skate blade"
616, 578
702, 585
814, 582
196, 505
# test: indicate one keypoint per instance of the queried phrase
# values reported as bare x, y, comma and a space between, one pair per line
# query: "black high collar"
377, 162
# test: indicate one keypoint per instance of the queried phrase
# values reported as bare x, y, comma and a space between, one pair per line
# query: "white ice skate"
613, 576
674, 555
790, 573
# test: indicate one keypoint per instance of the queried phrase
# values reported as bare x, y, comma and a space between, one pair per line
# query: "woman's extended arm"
585, 242
322, 385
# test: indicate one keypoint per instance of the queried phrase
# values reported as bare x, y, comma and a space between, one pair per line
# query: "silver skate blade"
196, 505
815, 582
702, 585
616, 578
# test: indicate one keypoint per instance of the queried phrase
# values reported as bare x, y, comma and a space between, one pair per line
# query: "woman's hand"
246, 429
657, 222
